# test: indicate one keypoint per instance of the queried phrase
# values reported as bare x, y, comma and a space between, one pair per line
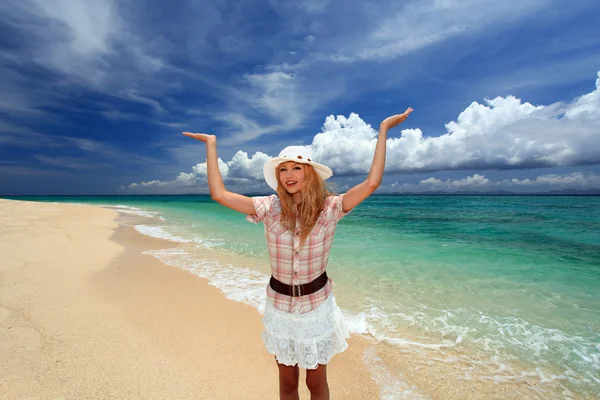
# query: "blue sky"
95, 94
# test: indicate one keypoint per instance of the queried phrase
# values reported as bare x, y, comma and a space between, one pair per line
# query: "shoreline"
100, 319
126, 318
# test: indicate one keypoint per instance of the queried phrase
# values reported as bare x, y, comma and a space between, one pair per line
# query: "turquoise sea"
505, 287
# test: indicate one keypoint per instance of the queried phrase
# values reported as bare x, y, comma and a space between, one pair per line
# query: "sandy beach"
85, 315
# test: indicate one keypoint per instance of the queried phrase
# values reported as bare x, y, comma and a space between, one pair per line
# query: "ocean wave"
556, 355
160, 233
240, 284
123, 209
248, 286
391, 387
164, 232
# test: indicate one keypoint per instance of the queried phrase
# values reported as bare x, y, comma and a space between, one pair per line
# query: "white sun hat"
298, 154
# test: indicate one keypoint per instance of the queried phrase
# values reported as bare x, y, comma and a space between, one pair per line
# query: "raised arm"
358, 193
218, 192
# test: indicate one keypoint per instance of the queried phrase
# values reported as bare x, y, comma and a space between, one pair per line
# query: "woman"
304, 327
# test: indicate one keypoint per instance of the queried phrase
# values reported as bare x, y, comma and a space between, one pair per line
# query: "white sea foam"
248, 286
159, 233
391, 387
135, 211
357, 323
207, 243
504, 339
383, 323
406, 342
240, 284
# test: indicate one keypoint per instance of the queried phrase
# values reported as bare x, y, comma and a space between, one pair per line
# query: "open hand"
394, 120
203, 137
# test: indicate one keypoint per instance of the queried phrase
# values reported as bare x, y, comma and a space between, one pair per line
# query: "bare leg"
316, 380
288, 382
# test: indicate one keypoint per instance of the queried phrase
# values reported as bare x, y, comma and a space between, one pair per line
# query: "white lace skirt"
305, 339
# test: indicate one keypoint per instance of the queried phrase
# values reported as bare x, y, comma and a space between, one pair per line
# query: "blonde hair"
314, 192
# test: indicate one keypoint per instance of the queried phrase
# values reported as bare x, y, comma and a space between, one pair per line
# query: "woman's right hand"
203, 137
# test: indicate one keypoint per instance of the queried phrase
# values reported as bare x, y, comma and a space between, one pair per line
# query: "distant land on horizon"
563, 192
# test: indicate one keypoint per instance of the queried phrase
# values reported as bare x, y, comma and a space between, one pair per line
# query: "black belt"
299, 290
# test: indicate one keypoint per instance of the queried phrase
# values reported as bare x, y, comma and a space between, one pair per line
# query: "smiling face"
291, 176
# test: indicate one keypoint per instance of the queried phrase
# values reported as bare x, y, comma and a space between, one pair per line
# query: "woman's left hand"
394, 120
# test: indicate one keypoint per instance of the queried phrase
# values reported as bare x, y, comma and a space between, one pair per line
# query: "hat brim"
271, 178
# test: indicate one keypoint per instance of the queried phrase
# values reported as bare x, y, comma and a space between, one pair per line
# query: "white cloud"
503, 133
477, 182
288, 91
587, 106
245, 173
279, 96
346, 144
89, 44
133, 95
248, 128
73, 38
91, 23
573, 180
106, 46
405, 27
468, 182
243, 167
276, 92
381, 34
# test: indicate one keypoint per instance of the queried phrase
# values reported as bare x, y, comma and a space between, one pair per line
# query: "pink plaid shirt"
292, 264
